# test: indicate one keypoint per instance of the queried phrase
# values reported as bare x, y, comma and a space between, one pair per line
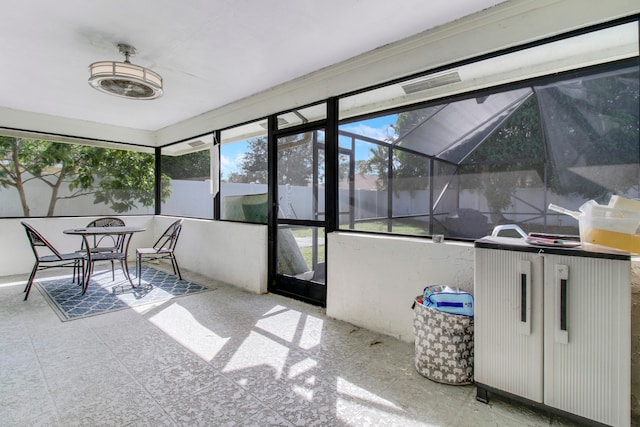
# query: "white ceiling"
209, 52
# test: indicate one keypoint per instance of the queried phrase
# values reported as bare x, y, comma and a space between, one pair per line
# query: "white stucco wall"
235, 253
372, 279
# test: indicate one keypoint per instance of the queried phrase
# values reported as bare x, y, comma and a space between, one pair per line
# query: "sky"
231, 155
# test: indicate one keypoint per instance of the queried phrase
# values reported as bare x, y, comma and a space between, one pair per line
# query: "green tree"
592, 125
196, 166
595, 124
295, 161
377, 164
515, 146
117, 178
410, 171
254, 164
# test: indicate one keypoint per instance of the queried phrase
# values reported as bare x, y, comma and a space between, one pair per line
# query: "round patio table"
121, 255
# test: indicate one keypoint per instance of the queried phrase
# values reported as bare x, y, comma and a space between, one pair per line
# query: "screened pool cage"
462, 167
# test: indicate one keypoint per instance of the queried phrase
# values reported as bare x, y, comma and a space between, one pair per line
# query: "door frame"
304, 290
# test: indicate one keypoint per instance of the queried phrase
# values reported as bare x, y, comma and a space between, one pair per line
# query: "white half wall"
372, 280
235, 253
16, 255
230, 252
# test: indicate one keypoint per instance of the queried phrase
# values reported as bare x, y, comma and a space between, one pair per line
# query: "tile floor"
218, 358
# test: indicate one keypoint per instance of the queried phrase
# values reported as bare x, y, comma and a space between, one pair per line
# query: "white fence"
38, 197
194, 199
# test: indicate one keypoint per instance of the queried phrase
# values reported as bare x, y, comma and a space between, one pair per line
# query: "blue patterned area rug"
106, 295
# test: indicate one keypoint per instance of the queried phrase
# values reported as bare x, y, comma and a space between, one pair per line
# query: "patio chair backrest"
107, 221
112, 241
169, 238
37, 240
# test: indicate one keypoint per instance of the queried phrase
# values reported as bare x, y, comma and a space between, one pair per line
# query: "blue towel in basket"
447, 299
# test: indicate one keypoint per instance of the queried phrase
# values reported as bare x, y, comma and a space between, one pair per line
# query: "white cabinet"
553, 326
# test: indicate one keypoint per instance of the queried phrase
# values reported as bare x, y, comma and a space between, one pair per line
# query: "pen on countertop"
547, 240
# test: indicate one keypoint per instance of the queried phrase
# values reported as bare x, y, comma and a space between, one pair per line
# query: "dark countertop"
521, 245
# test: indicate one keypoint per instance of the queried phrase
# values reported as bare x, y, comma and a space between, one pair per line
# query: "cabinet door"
508, 324
587, 337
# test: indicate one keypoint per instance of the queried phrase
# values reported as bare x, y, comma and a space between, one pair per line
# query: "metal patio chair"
103, 245
163, 249
54, 259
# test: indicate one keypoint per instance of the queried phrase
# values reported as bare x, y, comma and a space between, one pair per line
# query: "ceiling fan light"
125, 79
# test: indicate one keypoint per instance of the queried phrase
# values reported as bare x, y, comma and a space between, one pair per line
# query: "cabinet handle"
523, 297
562, 304
524, 288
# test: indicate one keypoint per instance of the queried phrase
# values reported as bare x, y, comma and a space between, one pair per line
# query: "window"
460, 168
301, 176
463, 165
244, 173
187, 189
41, 177
363, 163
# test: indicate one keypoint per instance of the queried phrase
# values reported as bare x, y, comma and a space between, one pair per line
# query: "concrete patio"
222, 357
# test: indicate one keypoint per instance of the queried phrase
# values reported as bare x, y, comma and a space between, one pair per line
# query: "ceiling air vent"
195, 144
431, 82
